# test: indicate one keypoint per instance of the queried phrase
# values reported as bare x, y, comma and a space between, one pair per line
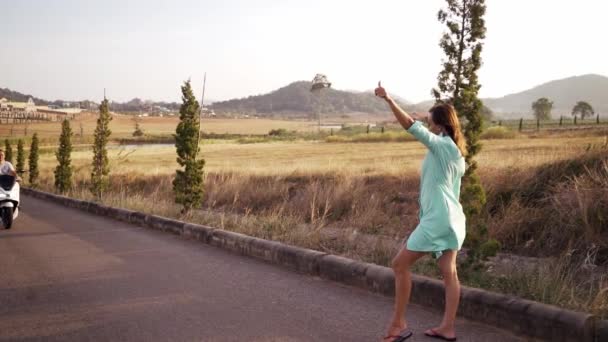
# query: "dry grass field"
122, 126
310, 157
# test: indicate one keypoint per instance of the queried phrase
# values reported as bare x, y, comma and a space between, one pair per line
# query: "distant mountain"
564, 93
296, 100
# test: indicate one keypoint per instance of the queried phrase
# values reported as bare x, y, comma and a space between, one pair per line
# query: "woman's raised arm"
402, 116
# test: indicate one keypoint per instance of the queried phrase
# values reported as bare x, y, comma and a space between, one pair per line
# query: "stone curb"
601, 331
517, 315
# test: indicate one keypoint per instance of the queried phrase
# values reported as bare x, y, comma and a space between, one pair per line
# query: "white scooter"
9, 200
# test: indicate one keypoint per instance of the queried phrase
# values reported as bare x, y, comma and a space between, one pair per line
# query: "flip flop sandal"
403, 335
435, 334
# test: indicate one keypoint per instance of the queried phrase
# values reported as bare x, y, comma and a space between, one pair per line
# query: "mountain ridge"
296, 100
564, 93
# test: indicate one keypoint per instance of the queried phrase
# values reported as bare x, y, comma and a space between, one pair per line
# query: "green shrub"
498, 132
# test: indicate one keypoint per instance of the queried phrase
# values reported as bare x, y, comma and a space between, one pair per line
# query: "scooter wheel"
7, 217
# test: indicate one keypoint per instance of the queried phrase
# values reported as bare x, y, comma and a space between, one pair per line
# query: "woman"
441, 230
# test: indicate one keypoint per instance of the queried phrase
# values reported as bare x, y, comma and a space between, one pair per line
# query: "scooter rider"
6, 168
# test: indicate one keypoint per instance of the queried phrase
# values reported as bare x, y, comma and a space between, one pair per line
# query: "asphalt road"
66, 275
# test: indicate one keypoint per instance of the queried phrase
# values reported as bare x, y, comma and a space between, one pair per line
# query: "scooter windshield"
7, 182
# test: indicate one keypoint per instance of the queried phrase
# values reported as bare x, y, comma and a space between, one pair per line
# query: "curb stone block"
50, 197
601, 330
138, 218
547, 321
343, 270
98, 209
66, 201
155, 222
380, 279
516, 314
173, 226
476, 304
428, 291
571, 324
164, 224
198, 232
82, 205
120, 214
73, 203
262, 249
296, 258
232, 241
542, 324
495, 309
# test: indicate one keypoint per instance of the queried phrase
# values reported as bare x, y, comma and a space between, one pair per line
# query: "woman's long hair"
445, 115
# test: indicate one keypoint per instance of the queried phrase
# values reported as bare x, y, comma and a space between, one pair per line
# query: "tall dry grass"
559, 207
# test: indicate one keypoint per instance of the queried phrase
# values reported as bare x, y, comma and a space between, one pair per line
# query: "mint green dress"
442, 221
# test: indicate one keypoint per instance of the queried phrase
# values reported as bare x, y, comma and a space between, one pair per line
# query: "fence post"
383, 126
538, 124
597, 121
367, 129
521, 124
575, 120
560, 120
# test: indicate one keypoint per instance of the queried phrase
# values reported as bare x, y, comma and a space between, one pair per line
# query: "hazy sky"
72, 49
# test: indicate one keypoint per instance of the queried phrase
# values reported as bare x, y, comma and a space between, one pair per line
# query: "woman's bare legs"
447, 265
403, 287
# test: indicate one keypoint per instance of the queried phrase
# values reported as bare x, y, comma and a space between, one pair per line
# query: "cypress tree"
138, 132
33, 161
458, 85
20, 157
100, 165
188, 182
8, 151
63, 171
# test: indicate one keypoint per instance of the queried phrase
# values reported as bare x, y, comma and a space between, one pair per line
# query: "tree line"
543, 106
188, 181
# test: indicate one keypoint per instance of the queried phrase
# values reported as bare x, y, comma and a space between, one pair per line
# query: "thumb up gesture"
381, 92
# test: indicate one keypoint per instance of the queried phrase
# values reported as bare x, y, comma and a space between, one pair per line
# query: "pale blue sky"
72, 49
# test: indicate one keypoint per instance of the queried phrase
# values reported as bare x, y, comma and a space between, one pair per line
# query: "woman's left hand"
419, 117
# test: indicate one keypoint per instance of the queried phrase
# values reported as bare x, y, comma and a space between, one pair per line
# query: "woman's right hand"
381, 92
